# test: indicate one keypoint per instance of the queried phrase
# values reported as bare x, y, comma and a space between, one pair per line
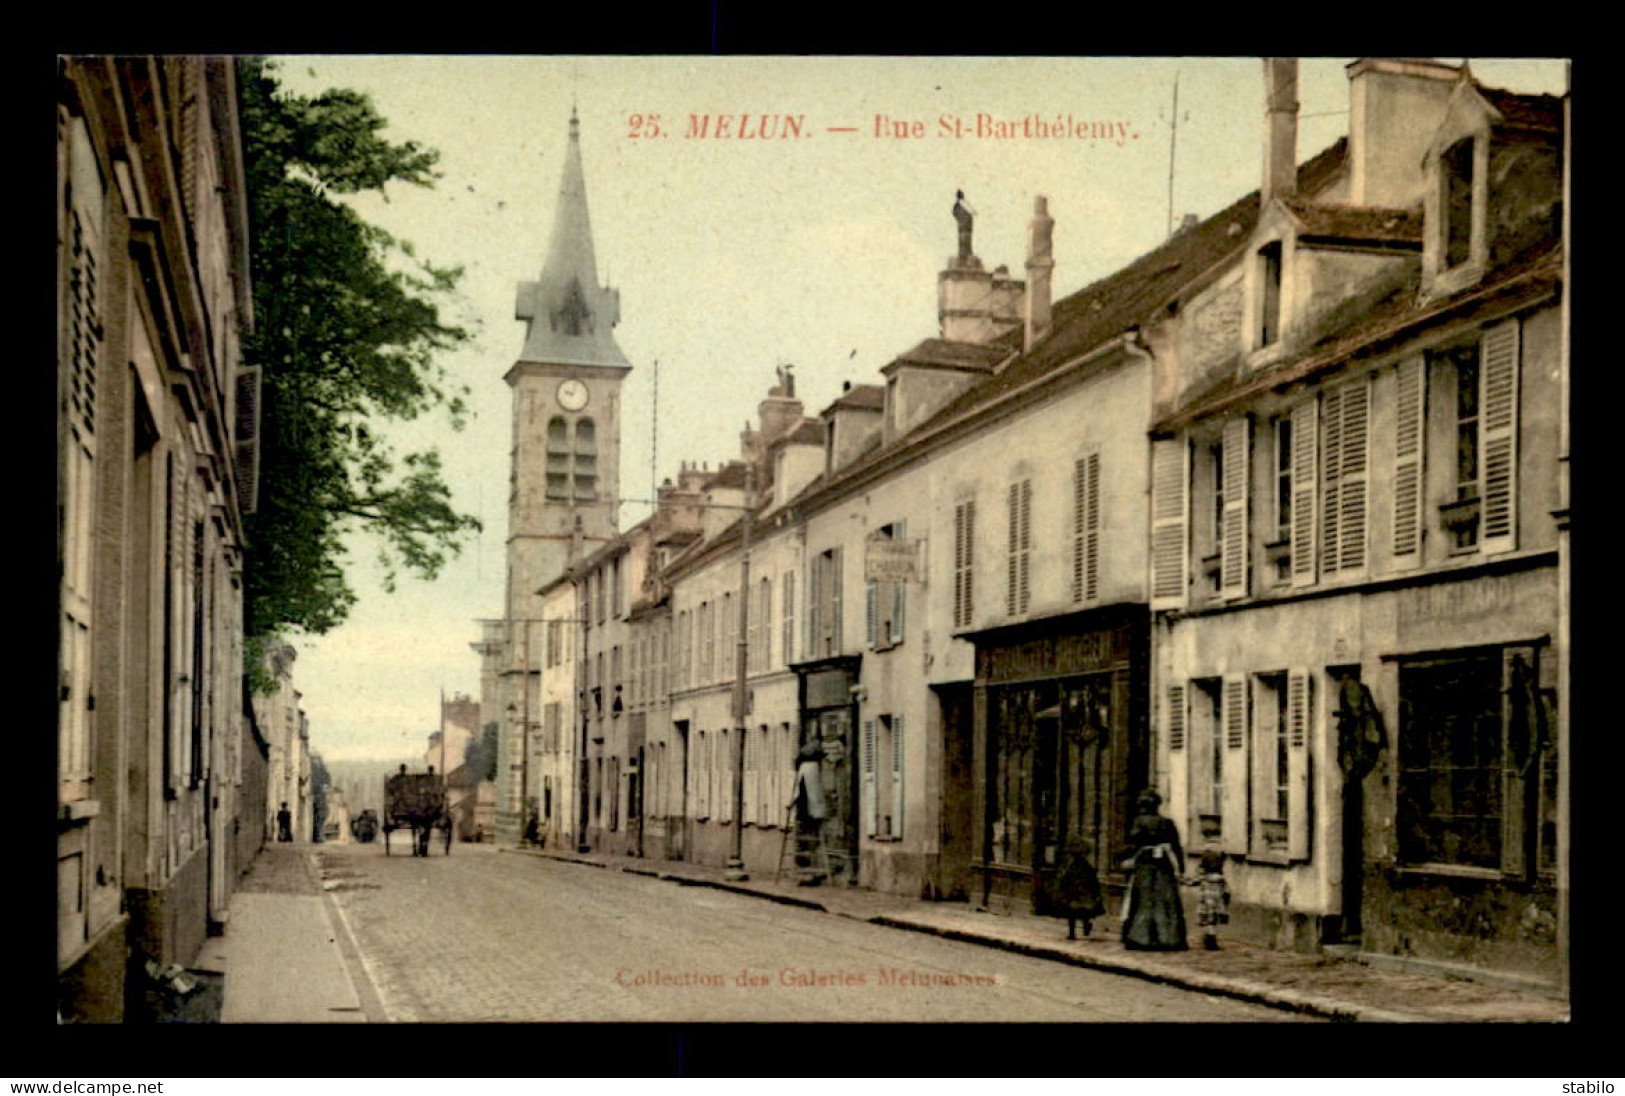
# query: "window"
885, 601
1086, 528
1474, 748
1205, 761
1280, 728
964, 563
1019, 508
586, 461
1282, 432
1269, 277
1457, 165
824, 604
558, 459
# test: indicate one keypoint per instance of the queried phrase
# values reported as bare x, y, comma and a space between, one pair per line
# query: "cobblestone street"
484, 936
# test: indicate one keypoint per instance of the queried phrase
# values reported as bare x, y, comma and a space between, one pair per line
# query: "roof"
1397, 317
862, 397
571, 318
947, 353
1543, 112
807, 432
1366, 224
1099, 312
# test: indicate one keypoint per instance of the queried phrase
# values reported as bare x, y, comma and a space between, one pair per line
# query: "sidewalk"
284, 952
1338, 989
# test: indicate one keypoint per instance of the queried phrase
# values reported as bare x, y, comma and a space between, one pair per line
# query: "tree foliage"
480, 759
349, 333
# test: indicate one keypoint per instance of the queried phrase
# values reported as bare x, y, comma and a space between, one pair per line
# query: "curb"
1253, 992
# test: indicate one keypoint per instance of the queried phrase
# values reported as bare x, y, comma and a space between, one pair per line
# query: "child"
1213, 897
1079, 888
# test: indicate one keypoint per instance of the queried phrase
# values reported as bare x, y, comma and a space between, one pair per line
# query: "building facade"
155, 422
1355, 536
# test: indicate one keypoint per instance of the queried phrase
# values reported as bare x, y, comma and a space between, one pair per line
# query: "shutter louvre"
899, 592
1305, 421
1169, 479
1013, 505
897, 776
1410, 412
871, 611
1352, 489
1233, 544
870, 806
1026, 542
1091, 571
1331, 454
1498, 406
1300, 723
1176, 717
1236, 822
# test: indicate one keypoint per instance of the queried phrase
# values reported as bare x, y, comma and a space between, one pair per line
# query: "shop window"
1474, 751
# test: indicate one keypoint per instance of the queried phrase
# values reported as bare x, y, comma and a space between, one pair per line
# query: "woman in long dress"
1153, 919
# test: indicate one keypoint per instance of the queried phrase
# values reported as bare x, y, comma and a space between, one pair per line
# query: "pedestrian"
1153, 919
284, 823
1078, 887
809, 811
1212, 896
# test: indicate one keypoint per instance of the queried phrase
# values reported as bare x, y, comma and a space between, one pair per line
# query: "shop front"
1061, 748
828, 706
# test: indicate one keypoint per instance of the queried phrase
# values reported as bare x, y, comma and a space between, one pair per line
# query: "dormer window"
1269, 283
1457, 167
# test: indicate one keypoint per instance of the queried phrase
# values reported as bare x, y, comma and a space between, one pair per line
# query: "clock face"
572, 395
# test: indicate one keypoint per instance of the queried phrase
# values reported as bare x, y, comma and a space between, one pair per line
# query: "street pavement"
485, 936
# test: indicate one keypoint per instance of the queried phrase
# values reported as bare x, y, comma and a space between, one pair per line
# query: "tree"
480, 760
348, 333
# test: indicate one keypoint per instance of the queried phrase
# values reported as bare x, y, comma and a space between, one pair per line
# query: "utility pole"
735, 871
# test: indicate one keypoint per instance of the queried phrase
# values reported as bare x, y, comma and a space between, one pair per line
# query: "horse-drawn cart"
416, 802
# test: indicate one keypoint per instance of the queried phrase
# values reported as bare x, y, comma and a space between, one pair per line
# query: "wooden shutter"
1237, 823
1498, 411
1305, 424
867, 761
1086, 528
1331, 455
964, 563
1299, 735
899, 593
835, 602
1233, 538
815, 591
1012, 565
871, 611
897, 776
1180, 762
1352, 489
1176, 717
788, 627
1026, 526
1169, 480
725, 777
1410, 413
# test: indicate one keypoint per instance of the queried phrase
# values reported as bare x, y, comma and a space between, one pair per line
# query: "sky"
733, 256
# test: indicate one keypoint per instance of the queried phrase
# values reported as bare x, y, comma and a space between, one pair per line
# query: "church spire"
571, 317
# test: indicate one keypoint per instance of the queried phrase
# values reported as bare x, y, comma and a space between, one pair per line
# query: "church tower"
564, 483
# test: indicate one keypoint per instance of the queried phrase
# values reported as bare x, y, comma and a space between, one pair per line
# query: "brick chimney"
1040, 264
1280, 126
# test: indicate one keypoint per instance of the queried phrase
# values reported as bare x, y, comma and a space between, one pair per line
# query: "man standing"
284, 823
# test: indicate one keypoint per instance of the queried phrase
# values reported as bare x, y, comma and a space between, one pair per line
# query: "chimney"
1040, 262
1396, 105
1280, 126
